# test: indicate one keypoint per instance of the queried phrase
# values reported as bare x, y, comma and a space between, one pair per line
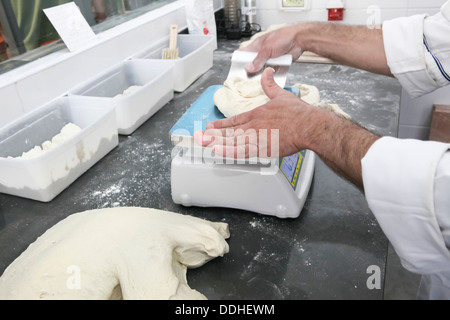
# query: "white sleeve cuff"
418, 51
403, 42
399, 177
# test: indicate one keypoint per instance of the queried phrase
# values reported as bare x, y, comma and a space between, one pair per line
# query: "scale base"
199, 178
205, 181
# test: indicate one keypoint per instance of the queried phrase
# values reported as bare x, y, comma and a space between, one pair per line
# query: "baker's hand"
286, 125
273, 45
276, 129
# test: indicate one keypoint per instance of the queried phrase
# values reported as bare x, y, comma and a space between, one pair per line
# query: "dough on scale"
311, 95
119, 253
239, 95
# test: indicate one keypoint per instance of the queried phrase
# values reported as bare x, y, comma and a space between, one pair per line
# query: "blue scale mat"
202, 112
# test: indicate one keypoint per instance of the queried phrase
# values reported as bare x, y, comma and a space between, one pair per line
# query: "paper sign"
71, 26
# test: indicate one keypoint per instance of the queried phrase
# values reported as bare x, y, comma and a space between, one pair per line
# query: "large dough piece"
239, 95
311, 95
120, 253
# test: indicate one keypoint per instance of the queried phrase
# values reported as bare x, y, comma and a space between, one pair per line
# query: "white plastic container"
196, 54
46, 176
153, 84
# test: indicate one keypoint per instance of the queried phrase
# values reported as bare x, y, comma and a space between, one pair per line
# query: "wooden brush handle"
173, 36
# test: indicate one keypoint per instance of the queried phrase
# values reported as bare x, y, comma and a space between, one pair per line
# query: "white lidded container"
196, 53
138, 88
46, 176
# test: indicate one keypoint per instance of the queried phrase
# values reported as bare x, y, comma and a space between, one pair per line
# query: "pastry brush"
172, 52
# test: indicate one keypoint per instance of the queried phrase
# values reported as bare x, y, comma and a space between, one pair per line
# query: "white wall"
416, 114
269, 13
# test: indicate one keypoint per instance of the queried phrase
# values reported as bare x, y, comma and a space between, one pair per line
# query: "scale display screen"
291, 167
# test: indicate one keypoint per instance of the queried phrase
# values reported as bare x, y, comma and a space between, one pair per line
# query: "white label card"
71, 26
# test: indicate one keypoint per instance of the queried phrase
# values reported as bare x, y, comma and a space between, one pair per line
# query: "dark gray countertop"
324, 254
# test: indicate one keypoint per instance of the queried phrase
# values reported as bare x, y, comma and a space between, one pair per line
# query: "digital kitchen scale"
275, 187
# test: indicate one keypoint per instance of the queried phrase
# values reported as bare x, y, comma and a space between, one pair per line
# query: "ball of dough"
309, 94
239, 95
120, 253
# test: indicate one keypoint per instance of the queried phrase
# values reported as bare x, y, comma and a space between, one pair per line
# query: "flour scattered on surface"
133, 179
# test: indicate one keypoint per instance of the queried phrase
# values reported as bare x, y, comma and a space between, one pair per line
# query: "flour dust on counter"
132, 179
116, 254
353, 90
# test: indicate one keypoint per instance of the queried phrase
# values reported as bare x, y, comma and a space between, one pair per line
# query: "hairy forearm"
355, 46
341, 144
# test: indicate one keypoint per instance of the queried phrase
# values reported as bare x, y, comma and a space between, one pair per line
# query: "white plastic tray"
45, 177
196, 58
155, 82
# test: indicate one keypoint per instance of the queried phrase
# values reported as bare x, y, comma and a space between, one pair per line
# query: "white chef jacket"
418, 51
407, 182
